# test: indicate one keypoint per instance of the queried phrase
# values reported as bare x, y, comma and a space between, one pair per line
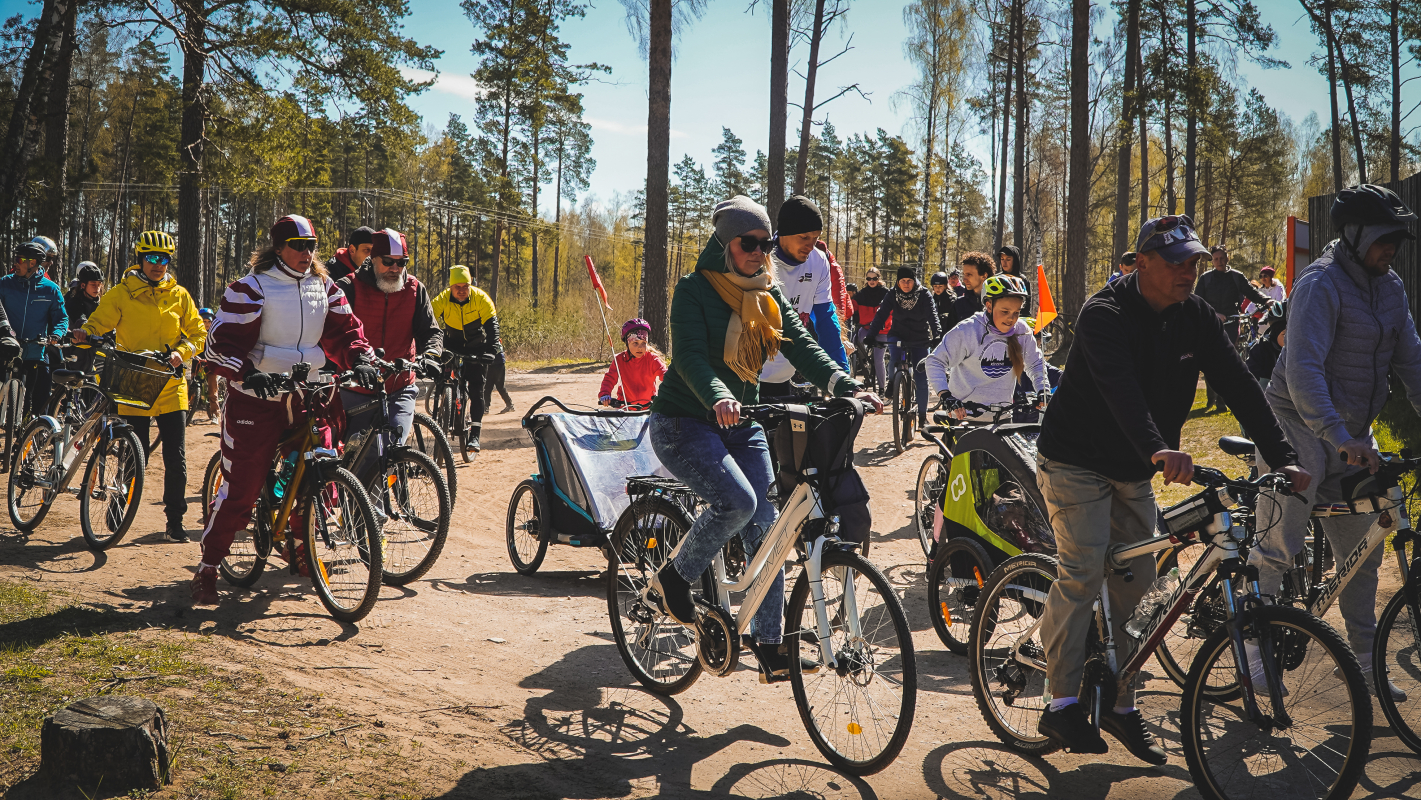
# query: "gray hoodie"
1347, 330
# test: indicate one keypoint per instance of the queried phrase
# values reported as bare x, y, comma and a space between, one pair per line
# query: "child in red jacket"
635, 373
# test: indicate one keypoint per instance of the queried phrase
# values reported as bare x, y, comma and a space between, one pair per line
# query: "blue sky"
721, 78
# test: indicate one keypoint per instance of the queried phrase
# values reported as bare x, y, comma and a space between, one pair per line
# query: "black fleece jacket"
915, 319
1130, 379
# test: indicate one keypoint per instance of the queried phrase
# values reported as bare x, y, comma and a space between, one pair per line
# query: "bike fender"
51, 422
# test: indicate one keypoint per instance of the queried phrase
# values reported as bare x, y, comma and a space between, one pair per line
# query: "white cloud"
457, 84
613, 126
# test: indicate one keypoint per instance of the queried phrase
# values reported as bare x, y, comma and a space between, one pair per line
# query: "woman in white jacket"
981, 359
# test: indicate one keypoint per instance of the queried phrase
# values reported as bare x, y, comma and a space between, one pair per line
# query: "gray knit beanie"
737, 215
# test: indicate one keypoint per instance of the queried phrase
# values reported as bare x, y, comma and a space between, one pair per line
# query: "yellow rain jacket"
148, 318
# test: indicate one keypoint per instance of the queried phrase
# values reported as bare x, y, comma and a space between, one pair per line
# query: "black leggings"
472, 377
496, 373
37, 380
172, 427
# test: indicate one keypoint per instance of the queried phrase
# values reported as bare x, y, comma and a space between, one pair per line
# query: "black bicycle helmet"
939, 278
29, 250
1369, 204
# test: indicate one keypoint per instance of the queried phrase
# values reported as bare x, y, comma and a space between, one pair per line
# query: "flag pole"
602, 308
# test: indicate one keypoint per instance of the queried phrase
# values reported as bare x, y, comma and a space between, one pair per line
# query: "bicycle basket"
128, 380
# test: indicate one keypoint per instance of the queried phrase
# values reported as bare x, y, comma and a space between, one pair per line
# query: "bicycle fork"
1236, 627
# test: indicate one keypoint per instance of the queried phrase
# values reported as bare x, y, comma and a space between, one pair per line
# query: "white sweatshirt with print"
971, 362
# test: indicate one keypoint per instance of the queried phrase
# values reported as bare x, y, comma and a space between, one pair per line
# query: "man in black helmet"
1351, 328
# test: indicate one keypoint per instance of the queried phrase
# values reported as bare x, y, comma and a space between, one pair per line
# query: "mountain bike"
406, 488
12, 411
852, 667
313, 512
89, 432
901, 393
1297, 723
448, 403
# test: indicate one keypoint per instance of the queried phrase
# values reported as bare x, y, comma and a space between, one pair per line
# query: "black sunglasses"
158, 258
301, 245
391, 262
871, 279
752, 243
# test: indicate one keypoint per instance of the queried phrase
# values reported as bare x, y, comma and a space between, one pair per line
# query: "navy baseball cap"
1172, 237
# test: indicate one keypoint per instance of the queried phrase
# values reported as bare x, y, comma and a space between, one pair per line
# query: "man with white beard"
395, 310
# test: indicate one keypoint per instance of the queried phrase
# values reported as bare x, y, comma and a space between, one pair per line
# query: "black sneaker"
775, 660
675, 594
1070, 729
176, 532
1130, 730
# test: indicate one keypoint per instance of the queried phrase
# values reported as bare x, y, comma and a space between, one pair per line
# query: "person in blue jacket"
34, 306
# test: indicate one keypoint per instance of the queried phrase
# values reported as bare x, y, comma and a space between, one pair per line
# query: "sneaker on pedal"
775, 661
675, 594
176, 533
1070, 729
1131, 731
204, 587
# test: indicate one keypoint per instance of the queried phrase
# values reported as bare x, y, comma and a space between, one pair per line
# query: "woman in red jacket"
635, 373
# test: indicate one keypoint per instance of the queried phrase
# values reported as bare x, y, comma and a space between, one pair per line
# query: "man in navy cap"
1128, 385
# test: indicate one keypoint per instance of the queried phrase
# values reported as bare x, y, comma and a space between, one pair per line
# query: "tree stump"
116, 743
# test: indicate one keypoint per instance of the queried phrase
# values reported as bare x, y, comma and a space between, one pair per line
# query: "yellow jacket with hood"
149, 317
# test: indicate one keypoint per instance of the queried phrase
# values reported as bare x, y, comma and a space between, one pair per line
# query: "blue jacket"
35, 308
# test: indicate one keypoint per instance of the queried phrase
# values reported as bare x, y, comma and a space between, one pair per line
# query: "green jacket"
698, 377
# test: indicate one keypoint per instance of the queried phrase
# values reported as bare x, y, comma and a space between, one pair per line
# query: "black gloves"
367, 376
429, 365
261, 384
9, 348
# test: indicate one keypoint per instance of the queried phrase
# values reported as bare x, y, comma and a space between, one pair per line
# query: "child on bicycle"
984, 356
636, 373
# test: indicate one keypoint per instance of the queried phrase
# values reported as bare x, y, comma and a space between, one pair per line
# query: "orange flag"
597, 282
1045, 306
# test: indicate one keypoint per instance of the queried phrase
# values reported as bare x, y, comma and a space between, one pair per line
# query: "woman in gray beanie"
727, 318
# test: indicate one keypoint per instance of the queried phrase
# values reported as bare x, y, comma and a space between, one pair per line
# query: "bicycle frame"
1390, 508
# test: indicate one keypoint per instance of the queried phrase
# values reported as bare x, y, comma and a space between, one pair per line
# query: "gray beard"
391, 285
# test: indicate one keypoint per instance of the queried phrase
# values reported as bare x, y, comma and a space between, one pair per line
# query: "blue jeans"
916, 354
399, 410
729, 468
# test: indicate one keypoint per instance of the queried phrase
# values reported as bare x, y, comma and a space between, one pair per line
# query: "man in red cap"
394, 307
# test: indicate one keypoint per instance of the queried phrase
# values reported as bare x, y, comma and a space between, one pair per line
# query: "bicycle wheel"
902, 410
430, 440
525, 530
659, 651
858, 714
447, 418
1319, 752
10, 421
412, 495
1178, 649
111, 491
932, 479
35, 456
343, 548
1396, 656
955, 582
461, 422
211, 485
251, 548
1011, 695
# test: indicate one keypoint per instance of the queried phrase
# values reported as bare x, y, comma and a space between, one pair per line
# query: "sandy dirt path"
512, 687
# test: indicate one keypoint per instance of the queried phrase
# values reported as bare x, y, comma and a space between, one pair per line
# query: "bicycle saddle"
68, 377
1236, 445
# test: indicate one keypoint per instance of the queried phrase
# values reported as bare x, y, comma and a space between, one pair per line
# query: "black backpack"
823, 440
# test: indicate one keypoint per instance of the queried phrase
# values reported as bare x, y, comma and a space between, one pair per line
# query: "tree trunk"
1169, 156
1121, 240
779, 105
658, 168
1191, 112
537, 218
190, 148
1346, 75
1144, 108
801, 166
557, 218
22, 138
50, 212
1337, 181
115, 742
1018, 204
1010, 52
1394, 152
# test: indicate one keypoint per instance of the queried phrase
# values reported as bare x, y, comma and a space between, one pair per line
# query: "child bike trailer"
989, 510
580, 488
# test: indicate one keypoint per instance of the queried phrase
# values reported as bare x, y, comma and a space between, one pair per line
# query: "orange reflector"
390, 481
946, 615
651, 543
978, 573
130, 486
321, 565
855, 729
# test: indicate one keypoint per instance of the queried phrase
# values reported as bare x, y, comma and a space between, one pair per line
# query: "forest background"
210, 118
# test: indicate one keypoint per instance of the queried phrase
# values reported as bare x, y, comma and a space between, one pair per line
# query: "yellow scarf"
753, 335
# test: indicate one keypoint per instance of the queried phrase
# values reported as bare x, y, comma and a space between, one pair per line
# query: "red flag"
1045, 306
597, 282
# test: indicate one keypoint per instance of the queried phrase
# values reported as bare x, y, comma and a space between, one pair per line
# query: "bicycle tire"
1314, 686
427, 438
34, 453
1180, 646
932, 480
10, 419
412, 539
251, 548
447, 416
127, 466
1012, 600
461, 421
1396, 656
955, 581
357, 550
902, 410
881, 674
526, 528
663, 658
211, 485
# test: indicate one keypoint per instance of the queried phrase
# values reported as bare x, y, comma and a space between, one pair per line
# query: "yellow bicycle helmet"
154, 242
1004, 286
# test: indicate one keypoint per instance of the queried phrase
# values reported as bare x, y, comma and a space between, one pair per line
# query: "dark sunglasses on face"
158, 258
392, 262
871, 279
301, 245
752, 243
